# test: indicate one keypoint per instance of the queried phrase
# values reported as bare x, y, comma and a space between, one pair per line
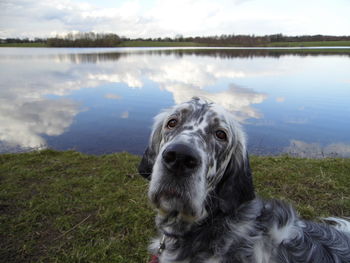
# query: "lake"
103, 100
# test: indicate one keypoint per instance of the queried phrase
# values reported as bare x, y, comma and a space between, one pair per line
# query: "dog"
207, 210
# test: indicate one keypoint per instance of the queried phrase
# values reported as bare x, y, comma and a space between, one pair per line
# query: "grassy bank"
310, 44
72, 207
143, 43
24, 45
133, 43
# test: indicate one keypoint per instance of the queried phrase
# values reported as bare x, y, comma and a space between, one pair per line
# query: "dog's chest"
166, 258
170, 254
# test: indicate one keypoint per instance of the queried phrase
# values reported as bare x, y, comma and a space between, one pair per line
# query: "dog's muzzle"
180, 159
173, 187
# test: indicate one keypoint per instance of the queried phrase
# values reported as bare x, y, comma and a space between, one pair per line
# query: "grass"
72, 207
340, 51
310, 44
131, 43
134, 43
23, 45
140, 43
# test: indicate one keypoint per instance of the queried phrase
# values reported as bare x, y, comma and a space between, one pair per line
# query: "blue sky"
161, 18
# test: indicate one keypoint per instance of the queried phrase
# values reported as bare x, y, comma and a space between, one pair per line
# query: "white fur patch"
285, 233
261, 254
340, 224
212, 260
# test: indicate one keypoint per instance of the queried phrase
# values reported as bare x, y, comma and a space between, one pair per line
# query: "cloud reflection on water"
24, 122
236, 99
27, 114
41, 94
316, 150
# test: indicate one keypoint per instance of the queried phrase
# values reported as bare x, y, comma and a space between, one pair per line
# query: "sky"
169, 18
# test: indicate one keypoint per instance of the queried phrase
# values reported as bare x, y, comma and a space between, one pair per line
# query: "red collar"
154, 259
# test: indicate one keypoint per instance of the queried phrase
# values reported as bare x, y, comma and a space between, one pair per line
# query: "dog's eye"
221, 135
172, 123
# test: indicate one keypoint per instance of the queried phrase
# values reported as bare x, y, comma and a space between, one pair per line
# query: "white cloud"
44, 18
135, 18
28, 114
122, 77
316, 150
23, 123
235, 99
184, 71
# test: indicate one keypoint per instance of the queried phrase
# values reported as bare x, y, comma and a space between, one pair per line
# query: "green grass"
131, 43
135, 43
320, 51
72, 207
140, 43
24, 45
310, 44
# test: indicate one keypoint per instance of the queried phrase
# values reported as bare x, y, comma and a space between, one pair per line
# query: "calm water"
103, 100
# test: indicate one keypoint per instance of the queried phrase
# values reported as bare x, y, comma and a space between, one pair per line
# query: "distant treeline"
85, 40
91, 39
22, 40
251, 40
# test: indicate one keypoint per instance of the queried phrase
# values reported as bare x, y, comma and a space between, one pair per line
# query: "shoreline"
308, 50
136, 43
101, 155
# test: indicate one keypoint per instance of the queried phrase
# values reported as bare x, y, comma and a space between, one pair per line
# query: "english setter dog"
207, 211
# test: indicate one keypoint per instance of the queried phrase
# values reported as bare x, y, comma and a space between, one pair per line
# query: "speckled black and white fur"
207, 211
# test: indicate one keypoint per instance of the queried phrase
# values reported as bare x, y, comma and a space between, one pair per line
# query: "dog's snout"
180, 157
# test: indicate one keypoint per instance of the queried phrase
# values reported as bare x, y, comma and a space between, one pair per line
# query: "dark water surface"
103, 100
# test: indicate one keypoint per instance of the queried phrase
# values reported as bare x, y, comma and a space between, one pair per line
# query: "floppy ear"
148, 159
236, 185
146, 164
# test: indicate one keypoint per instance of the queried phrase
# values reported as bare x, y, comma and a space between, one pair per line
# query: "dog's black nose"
180, 157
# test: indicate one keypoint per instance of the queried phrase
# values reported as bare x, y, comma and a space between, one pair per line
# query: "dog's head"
197, 163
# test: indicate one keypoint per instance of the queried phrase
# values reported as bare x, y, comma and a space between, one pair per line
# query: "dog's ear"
148, 159
236, 185
146, 164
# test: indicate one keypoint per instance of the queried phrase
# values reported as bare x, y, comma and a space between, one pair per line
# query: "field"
72, 207
143, 43
158, 44
24, 45
311, 44
132, 43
